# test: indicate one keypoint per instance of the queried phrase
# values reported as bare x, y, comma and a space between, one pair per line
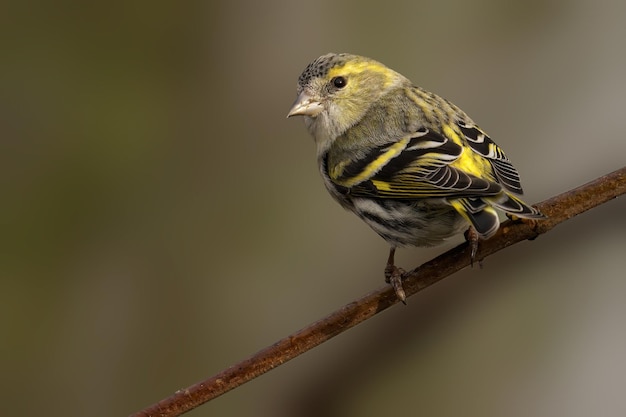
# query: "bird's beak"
305, 105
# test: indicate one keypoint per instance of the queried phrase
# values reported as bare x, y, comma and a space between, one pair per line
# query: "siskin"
409, 163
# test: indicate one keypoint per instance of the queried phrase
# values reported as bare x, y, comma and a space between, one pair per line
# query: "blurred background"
162, 220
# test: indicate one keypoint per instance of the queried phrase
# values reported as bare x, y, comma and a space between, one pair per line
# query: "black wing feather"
421, 170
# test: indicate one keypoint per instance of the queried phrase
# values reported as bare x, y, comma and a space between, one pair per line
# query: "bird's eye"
339, 82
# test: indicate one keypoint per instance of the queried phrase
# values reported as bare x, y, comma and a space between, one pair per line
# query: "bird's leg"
393, 275
472, 239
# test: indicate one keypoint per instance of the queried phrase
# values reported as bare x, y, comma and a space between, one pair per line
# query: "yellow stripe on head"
358, 66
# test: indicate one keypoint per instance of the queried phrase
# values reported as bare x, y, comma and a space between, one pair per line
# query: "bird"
409, 163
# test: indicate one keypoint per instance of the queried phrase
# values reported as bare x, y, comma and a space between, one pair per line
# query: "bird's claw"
472, 239
393, 275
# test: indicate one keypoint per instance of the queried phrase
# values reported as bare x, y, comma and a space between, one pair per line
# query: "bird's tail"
514, 205
481, 214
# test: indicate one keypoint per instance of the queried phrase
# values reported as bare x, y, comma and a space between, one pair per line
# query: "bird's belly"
410, 223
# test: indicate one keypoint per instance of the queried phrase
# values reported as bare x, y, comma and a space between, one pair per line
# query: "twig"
558, 209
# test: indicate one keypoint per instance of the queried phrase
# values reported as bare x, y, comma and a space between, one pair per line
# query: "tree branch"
558, 209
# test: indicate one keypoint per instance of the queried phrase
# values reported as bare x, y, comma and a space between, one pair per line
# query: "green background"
162, 220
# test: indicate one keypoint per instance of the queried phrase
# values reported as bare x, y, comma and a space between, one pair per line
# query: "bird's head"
336, 90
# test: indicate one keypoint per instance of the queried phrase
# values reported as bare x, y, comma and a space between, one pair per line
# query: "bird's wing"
419, 165
504, 171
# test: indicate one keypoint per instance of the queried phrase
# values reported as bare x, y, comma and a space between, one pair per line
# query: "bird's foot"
472, 239
393, 276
